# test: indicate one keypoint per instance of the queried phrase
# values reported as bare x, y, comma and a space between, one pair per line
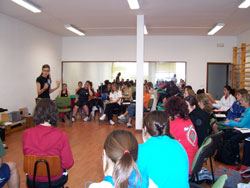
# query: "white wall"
244, 38
23, 50
74, 72
195, 50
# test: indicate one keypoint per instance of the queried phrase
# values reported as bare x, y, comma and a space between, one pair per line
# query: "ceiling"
114, 17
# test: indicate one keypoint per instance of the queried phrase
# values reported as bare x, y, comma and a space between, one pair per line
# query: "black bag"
225, 153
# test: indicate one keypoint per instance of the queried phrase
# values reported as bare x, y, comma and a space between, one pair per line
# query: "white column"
139, 72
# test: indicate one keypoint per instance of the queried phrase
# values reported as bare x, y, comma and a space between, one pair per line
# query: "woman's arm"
67, 160
41, 90
244, 122
57, 86
68, 94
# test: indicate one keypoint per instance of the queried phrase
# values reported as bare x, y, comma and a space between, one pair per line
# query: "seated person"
188, 92
64, 93
46, 140
79, 86
8, 171
161, 157
115, 102
131, 108
119, 156
199, 118
236, 111
82, 101
126, 91
181, 127
226, 101
210, 97
94, 102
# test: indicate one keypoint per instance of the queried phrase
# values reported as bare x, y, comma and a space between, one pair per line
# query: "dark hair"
176, 106
46, 66
157, 123
80, 82
191, 100
188, 87
45, 111
242, 91
127, 84
122, 148
150, 85
64, 84
228, 88
114, 84
90, 83
200, 91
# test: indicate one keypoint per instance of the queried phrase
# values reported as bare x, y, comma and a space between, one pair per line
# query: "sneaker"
93, 113
111, 122
73, 119
103, 117
129, 125
87, 118
121, 117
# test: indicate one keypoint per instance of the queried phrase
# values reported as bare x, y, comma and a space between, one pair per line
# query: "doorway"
218, 75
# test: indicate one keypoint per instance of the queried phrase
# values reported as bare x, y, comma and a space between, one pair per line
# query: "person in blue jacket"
161, 159
237, 111
244, 122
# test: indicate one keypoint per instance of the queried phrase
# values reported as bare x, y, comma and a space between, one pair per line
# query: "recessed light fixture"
145, 30
133, 4
74, 30
244, 4
216, 28
28, 5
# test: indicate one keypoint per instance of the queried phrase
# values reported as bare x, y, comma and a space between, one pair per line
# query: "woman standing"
43, 83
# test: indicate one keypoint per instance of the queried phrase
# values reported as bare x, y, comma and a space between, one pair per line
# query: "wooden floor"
86, 140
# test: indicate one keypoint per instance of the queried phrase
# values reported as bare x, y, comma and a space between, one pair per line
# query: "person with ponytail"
227, 100
162, 160
43, 83
119, 161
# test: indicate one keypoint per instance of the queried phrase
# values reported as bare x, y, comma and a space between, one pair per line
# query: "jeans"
131, 110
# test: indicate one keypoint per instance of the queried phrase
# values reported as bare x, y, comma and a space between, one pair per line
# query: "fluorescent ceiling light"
244, 4
74, 30
133, 4
145, 30
28, 5
216, 28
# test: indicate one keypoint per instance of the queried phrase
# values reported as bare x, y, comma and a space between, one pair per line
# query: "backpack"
225, 153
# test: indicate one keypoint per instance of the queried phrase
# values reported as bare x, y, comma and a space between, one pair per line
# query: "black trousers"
246, 154
95, 102
235, 137
109, 109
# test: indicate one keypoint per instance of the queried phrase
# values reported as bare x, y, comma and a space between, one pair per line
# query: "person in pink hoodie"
46, 140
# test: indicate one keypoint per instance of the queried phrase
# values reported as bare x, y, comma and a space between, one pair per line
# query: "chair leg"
212, 170
70, 117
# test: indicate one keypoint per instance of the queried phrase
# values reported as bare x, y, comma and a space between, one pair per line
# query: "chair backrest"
63, 102
217, 141
201, 155
220, 182
53, 161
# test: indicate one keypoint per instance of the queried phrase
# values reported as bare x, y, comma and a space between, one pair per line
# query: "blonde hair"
203, 98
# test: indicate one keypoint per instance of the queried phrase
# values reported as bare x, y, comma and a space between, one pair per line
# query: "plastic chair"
217, 140
64, 106
42, 166
220, 182
200, 157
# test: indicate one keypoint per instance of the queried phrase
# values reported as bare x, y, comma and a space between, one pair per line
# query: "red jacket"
48, 141
184, 132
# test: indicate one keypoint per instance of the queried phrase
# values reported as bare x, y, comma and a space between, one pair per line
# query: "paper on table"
220, 115
242, 130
